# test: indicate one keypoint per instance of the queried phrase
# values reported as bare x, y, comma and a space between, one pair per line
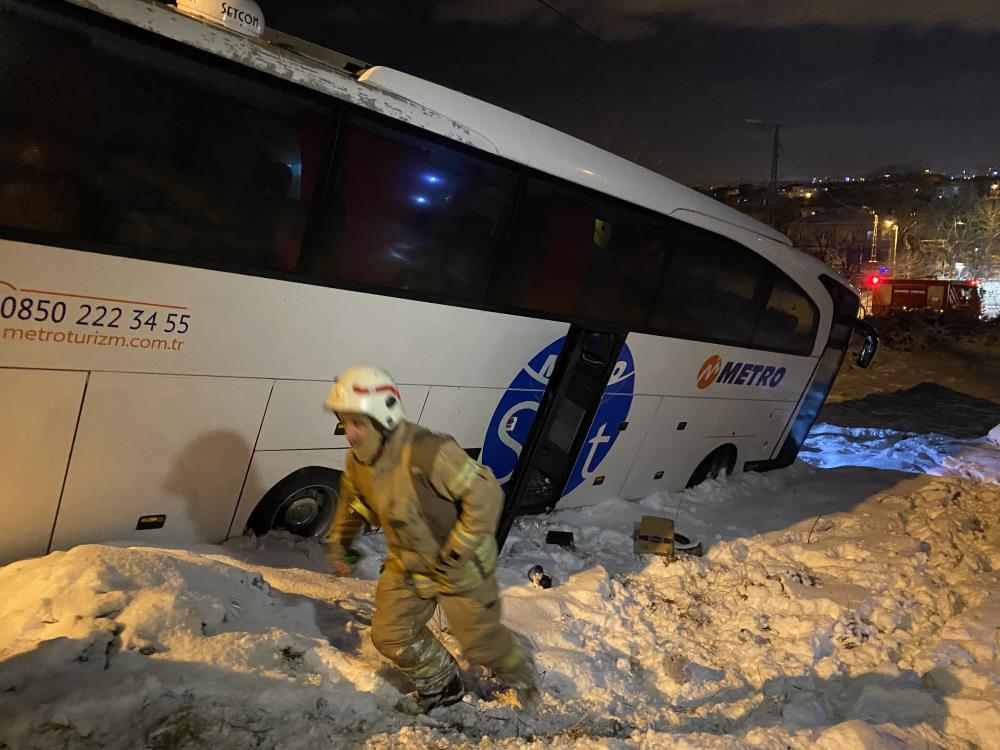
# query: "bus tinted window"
712, 290
789, 320
576, 256
115, 143
626, 267
845, 312
413, 215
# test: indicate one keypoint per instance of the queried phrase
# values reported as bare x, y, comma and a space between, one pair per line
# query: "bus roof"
452, 114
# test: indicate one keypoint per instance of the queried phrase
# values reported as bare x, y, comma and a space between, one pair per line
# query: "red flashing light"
875, 280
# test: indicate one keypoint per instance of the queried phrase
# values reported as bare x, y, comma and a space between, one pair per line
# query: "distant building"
801, 192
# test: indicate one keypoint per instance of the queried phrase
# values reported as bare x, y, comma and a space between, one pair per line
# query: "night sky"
859, 85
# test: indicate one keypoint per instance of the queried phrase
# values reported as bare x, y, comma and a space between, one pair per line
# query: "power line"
710, 103
607, 45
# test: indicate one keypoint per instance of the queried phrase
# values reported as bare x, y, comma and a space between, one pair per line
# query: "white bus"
202, 221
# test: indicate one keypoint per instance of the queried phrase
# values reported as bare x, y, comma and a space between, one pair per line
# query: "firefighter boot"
452, 693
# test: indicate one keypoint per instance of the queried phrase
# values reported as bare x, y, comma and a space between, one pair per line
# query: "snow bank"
864, 617
994, 436
834, 619
93, 637
977, 458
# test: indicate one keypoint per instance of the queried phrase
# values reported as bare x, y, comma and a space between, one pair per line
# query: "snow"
994, 436
940, 455
849, 601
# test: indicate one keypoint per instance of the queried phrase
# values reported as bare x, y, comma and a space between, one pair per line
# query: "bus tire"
719, 462
302, 503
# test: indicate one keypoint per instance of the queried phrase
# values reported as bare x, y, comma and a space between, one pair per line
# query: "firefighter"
439, 511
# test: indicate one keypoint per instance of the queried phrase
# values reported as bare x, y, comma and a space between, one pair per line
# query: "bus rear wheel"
302, 503
719, 462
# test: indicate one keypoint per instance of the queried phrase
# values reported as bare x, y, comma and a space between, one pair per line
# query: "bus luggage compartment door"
39, 410
565, 413
171, 447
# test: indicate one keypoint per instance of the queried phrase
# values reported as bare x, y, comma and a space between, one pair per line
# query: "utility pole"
772, 192
772, 203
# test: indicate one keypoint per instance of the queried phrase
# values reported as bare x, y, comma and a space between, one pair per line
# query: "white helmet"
367, 390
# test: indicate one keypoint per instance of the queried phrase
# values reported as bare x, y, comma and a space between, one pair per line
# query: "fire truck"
946, 298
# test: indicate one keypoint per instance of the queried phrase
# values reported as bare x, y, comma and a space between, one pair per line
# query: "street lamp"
894, 225
874, 258
773, 199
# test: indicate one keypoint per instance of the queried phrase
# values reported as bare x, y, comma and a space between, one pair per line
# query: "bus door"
566, 410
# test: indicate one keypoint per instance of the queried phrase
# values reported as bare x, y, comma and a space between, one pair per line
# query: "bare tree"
984, 236
966, 232
841, 245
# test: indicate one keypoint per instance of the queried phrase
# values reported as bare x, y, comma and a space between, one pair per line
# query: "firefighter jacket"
438, 508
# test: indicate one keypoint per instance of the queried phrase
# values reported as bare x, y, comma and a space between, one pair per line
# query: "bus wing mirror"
868, 349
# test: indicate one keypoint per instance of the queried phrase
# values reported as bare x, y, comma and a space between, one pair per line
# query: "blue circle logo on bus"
518, 407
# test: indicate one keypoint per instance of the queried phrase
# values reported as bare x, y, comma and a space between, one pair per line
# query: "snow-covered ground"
964, 358
850, 603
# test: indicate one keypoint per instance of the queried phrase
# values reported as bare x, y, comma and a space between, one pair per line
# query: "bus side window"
789, 321
574, 255
627, 267
711, 289
147, 151
410, 214
550, 251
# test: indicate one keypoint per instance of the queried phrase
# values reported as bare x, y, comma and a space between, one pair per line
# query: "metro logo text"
713, 370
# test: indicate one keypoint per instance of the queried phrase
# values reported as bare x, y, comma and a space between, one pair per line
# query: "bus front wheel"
719, 462
302, 503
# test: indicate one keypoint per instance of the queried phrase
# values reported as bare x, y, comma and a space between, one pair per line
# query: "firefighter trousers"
400, 633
